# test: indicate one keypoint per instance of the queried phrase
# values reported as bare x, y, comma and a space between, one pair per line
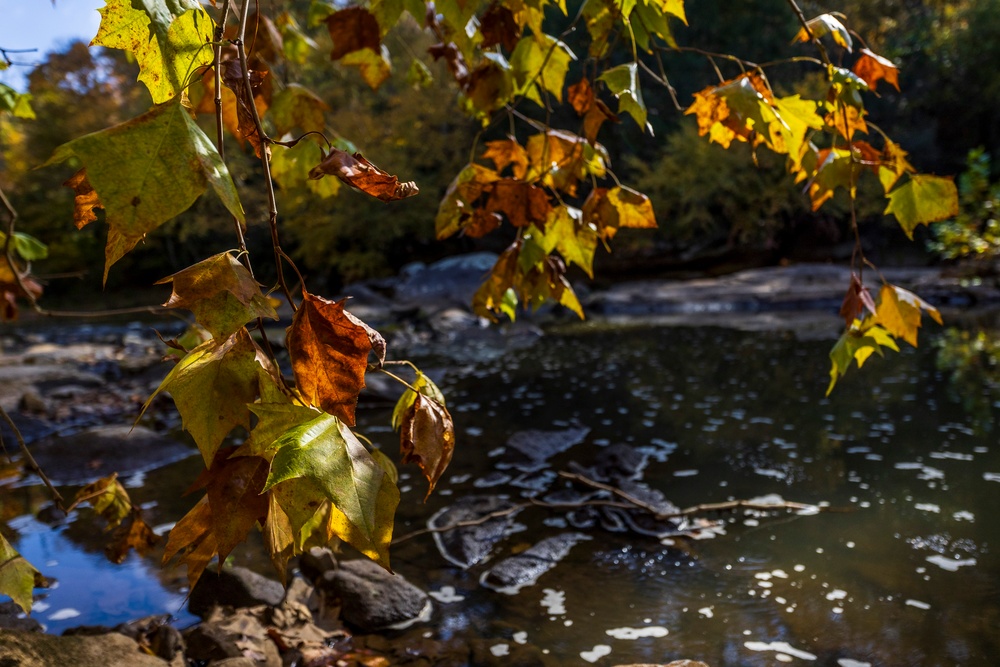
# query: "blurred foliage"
975, 233
972, 361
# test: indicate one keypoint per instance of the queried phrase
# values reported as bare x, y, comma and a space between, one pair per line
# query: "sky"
44, 25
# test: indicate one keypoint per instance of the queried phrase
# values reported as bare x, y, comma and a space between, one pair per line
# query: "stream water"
905, 569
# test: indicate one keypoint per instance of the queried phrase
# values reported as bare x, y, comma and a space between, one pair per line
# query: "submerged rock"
467, 545
512, 574
373, 599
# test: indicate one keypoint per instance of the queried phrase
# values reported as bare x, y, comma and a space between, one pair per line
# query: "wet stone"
469, 545
524, 569
233, 587
373, 599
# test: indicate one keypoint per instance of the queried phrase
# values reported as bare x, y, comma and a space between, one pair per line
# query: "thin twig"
33, 466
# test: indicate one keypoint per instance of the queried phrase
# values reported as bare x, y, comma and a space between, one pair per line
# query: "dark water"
905, 572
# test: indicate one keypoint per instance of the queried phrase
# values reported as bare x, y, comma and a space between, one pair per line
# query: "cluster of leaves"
975, 232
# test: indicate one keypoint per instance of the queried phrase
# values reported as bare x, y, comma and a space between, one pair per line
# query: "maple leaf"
923, 199
192, 540
893, 165
560, 159
847, 120
212, 386
857, 344
457, 204
233, 488
822, 25
899, 312
17, 576
372, 64
595, 117
353, 29
297, 106
426, 430
495, 294
134, 533
499, 27
329, 349
148, 170
873, 68
169, 39
797, 116
522, 203
489, 87
835, 170
566, 232
359, 173
301, 500
856, 300
273, 420
85, 199
547, 282
610, 210
221, 293
540, 61
290, 166
326, 452
279, 537
580, 96
107, 497
505, 152
623, 82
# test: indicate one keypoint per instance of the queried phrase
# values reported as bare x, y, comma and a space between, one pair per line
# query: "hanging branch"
32, 465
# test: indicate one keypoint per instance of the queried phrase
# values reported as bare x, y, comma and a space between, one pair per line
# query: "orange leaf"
873, 68
233, 489
505, 152
856, 300
193, 541
232, 78
847, 120
134, 533
427, 437
359, 173
595, 117
481, 223
353, 29
489, 298
580, 96
521, 202
329, 348
85, 199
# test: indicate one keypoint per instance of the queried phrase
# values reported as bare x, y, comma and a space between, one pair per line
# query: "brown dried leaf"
353, 29
193, 541
133, 534
329, 351
85, 199
232, 78
427, 438
481, 223
523, 203
596, 115
505, 152
359, 173
499, 27
873, 68
233, 490
453, 58
856, 300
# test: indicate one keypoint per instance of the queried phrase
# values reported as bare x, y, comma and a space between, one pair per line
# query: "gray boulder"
233, 587
13, 618
452, 281
373, 599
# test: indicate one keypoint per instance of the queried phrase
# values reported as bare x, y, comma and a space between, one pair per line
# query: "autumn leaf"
426, 430
279, 538
372, 64
580, 96
797, 117
290, 167
133, 533
212, 386
169, 39
232, 78
923, 199
522, 203
596, 116
610, 210
857, 345
233, 488
893, 165
835, 170
873, 68
547, 282
107, 497
489, 86
297, 106
505, 152
499, 27
148, 170
494, 295
221, 293
456, 207
359, 173
856, 300
623, 82
11, 288
273, 420
540, 62
822, 25
329, 349
17, 576
560, 159
192, 541
899, 312
85, 199
301, 500
847, 120
575, 240
353, 29
326, 452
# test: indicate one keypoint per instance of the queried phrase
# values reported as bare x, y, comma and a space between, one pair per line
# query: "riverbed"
899, 567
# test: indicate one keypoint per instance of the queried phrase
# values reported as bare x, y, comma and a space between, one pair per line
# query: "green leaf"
221, 293
169, 39
826, 24
212, 387
796, 117
148, 170
749, 104
857, 345
28, 247
543, 61
17, 576
623, 82
297, 106
922, 200
18, 104
574, 240
325, 451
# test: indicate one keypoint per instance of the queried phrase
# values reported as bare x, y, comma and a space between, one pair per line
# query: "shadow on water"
908, 574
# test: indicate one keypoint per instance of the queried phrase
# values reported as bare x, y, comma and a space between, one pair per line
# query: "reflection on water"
908, 575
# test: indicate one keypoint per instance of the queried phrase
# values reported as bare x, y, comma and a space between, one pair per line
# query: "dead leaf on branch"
857, 299
329, 348
233, 489
193, 541
426, 430
107, 497
359, 173
353, 29
232, 78
85, 199
499, 28
580, 96
505, 152
873, 68
523, 203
